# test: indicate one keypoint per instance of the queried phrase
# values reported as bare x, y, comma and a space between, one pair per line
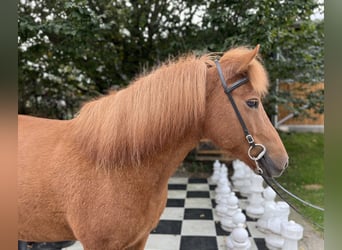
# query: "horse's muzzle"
270, 168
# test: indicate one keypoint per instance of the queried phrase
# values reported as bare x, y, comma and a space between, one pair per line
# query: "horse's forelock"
255, 70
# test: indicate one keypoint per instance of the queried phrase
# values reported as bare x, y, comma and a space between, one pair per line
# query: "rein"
248, 136
269, 180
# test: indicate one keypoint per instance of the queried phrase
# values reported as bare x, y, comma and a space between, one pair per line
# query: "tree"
70, 51
291, 44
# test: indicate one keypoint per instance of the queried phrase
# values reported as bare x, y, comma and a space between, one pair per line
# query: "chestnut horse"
101, 178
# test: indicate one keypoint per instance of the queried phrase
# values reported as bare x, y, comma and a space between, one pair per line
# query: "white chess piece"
255, 208
239, 218
292, 233
224, 172
269, 207
245, 188
222, 189
273, 238
216, 172
238, 175
227, 214
222, 204
238, 239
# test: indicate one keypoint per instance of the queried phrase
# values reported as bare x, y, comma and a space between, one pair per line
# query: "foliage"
70, 51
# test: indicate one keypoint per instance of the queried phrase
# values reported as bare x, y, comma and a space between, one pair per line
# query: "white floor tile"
173, 213
198, 203
251, 225
178, 180
198, 187
176, 194
163, 242
198, 227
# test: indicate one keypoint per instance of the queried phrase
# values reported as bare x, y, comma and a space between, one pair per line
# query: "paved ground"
189, 222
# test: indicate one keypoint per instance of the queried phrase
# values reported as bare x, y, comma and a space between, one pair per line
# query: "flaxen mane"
125, 127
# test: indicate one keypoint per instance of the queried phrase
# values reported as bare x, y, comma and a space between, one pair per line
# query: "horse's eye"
253, 103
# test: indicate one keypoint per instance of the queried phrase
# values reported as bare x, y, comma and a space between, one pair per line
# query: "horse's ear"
247, 58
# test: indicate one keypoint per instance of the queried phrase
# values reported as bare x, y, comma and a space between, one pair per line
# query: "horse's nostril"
286, 164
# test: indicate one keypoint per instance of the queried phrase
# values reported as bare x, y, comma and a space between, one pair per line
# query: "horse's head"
242, 82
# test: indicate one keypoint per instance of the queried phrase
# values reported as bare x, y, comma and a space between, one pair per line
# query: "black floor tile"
168, 227
213, 203
177, 186
197, 194
219, 230
198, 243
261, 244
175, 202
197, 180
198, 214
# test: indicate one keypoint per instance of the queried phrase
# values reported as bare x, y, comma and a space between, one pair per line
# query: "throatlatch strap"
228, 91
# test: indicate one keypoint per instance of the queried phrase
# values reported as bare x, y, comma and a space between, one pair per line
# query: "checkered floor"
189, 221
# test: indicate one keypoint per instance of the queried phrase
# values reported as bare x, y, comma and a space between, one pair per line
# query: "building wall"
283, 112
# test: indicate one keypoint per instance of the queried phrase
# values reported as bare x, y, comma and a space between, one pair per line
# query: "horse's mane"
126, 127
163, 107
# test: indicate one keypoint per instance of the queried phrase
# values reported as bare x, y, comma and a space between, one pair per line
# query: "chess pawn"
239, 218
227, 215
238, 239
255, 208
269, 207
216, 172
292, 233
273, 238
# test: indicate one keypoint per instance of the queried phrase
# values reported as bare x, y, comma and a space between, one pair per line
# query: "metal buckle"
258, 169
250, 139
260, 155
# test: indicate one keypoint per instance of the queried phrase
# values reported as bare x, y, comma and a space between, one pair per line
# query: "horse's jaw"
270, 168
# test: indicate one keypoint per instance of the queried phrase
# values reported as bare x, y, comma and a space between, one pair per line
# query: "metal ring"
260, 155
258, 170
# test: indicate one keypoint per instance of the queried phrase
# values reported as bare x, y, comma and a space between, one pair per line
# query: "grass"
305, 174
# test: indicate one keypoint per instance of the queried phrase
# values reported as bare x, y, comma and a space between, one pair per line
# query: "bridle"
252, 145
248, 136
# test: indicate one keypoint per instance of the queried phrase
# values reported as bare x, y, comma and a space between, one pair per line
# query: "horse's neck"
163, 165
